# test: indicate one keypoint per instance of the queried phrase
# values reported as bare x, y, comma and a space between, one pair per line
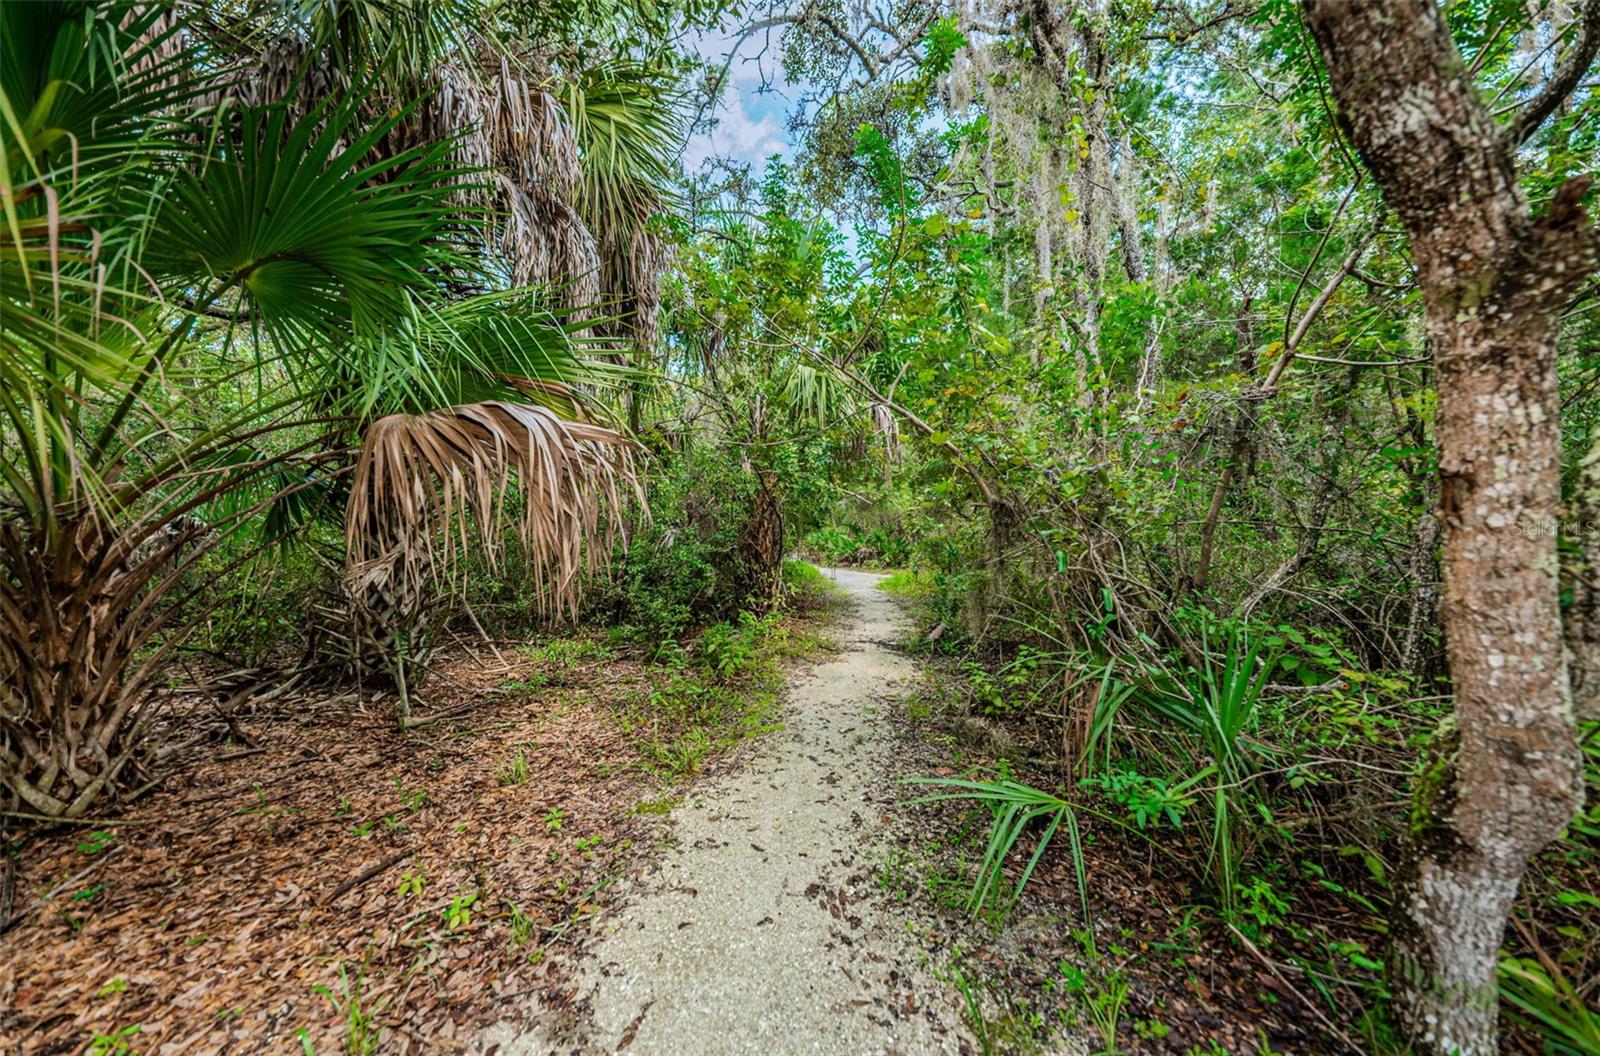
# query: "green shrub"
684, 567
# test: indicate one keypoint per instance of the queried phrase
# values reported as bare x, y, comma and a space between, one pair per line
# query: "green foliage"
1014, 806
1548, 1003
514, 771
458, 914
117, 1043
910, 585
872, 548
730, 650
361, 1033
1149, 801
686, 566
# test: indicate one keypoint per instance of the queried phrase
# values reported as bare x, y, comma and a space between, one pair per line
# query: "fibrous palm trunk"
78, 613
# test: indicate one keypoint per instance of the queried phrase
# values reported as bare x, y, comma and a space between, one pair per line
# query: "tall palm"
161, 242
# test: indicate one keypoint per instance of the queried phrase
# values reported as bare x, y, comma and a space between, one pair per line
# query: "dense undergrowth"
1264, 788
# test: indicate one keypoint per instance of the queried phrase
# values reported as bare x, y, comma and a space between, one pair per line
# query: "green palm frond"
1015, 806
628, 121
816, 396
496, 346
402, 40
317, 238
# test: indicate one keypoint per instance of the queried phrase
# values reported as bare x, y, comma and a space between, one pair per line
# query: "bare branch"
1562, 83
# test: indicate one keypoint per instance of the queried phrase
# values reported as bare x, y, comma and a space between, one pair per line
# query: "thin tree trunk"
1506, 779
1239, 426
1581, 567
1424, 604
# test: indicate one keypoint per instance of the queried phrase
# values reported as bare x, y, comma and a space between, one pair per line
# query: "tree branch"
1561, 84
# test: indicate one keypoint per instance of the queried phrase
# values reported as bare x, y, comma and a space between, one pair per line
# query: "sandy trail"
762, 931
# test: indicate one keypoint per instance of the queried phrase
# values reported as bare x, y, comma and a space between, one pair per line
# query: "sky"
751, 122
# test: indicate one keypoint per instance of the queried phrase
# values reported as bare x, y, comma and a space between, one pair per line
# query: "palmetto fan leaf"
319, 240
424, 483
495, 346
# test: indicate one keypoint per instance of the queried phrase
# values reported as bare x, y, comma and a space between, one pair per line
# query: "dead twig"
365, 875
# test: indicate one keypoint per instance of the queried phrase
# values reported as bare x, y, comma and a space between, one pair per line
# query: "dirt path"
762, 932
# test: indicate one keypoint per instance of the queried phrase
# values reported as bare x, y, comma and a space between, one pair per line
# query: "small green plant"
515, 770
458, 914
1217, 703
88, 894
413, 799
656, 806
554, 818
116, 986
521, 928
411, 883
97, 842
587, 844
1148, 800
360, 1034
1260, 904
1102, 991
114, 1044
972, 1006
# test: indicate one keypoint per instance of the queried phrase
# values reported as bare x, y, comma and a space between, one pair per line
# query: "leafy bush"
729, 649
684, 567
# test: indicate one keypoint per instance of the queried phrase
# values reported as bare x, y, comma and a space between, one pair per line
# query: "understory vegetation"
410, 438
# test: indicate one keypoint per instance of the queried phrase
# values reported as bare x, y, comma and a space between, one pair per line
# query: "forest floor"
589, 853
309, 881
765, 929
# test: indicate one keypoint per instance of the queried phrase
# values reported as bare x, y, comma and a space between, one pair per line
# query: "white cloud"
739, 135
750, 126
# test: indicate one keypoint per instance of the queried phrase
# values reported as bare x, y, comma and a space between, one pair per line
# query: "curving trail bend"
762, 931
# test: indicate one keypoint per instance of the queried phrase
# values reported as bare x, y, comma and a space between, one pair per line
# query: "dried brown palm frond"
887, 426
633, 259
546, 242
281, 70
161, 39
531, 136
425, 483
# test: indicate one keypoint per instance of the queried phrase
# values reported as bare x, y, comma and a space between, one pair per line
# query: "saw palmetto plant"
238, 293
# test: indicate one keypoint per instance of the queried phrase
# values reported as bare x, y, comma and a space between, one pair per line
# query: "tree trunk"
1581, 567
1507, 779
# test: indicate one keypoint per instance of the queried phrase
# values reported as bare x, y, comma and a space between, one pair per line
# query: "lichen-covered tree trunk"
1507, 779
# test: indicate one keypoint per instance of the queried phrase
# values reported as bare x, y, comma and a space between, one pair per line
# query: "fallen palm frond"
422, 482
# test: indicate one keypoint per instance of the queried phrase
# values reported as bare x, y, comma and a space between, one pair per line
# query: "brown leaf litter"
241, 907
